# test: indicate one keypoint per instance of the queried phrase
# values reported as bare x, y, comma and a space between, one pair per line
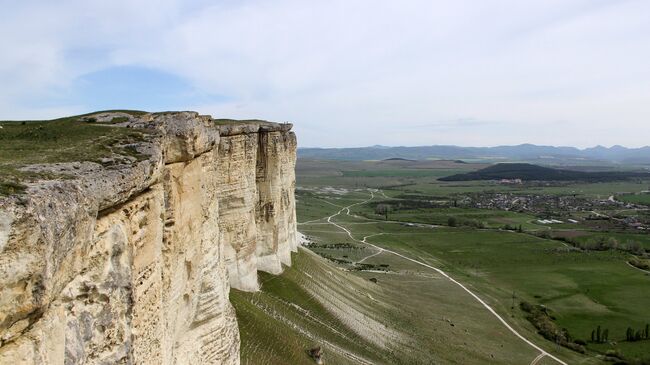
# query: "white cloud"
361, 72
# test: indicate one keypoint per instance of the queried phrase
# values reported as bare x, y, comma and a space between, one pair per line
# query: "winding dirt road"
542, 354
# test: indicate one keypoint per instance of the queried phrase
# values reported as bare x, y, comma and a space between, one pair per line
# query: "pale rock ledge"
132, 263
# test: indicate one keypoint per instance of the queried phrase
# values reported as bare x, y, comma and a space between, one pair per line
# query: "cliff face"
133, 262
256, 186
275, 210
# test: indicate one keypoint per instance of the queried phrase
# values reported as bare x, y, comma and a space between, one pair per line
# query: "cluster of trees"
643, 334
383, 209
599, 336
335, 259
509, 227
610, 243
374, 267
336, 246
599, 243
458, 222
602, 336
538, 315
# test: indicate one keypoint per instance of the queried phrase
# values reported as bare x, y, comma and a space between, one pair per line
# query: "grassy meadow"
57, 141
580, 290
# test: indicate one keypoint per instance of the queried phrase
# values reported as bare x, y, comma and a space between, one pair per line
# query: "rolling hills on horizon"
529, 172
529, 152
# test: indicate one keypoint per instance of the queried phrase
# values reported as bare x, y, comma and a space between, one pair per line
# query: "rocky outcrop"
257, 181
238, 198
275, 211
133, 262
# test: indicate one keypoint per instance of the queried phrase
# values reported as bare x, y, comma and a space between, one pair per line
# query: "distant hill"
524, 152
528, 172
397, 159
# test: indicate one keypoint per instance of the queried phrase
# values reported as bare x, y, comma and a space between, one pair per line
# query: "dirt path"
484, 304
537, 359
374, 254
634, 267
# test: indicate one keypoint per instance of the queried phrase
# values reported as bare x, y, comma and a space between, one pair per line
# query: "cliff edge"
121, 234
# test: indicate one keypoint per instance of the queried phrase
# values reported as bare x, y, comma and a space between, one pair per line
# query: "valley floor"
399, 310
405, 287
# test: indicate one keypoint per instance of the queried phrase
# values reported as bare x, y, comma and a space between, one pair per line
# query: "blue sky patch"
133, 87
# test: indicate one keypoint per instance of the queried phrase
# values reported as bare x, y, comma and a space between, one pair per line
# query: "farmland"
388, 226
643, 198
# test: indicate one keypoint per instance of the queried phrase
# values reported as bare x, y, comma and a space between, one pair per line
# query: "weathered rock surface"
133, 262
256, 163
275, 211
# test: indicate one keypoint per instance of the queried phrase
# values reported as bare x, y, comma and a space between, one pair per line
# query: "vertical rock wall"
133, 264
275, 211
238, 197
200, 321
256, 190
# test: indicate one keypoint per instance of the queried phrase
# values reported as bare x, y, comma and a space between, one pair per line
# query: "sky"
345, 72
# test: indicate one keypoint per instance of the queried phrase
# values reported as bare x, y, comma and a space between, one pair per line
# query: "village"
559, 209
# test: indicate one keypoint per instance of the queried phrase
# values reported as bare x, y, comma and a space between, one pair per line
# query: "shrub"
613, 353
639, 263
576, 347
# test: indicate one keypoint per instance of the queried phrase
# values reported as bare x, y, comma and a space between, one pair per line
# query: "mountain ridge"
526, 151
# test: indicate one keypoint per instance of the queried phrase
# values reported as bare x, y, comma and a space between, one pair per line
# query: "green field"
636, 198
400, 319
395, 179
584, 236
401, 173
430, 318
440, 216
582, 290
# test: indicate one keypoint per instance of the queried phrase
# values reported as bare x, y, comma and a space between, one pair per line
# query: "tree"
612, 243
383, 209
452, 222
633, 246
647, 331
598, 338
605, 335
593, 335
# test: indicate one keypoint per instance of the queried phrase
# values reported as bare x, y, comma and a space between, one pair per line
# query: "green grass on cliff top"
59, 140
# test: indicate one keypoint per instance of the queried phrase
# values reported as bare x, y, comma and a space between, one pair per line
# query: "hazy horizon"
497, 72
483, 146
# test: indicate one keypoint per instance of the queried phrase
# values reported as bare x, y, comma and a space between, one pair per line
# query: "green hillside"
530, 172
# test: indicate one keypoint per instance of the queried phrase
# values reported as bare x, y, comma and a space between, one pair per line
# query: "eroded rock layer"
275, 211
132, 262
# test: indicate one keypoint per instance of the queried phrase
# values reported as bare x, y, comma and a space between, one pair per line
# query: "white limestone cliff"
132, 263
